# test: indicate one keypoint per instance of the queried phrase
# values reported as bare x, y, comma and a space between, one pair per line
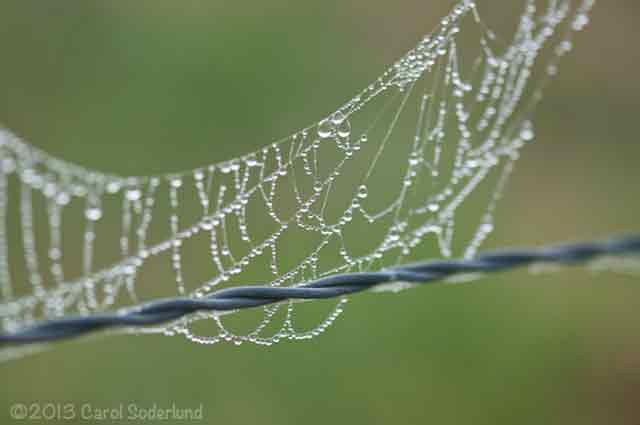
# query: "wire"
242, 297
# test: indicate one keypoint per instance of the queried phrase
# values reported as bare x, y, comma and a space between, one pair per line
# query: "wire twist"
242, 297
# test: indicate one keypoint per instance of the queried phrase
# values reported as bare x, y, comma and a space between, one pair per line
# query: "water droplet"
580, 21
414, 159
113, 187
93, 213
486, 227
8, 165
63, 198
79, 190
362, 191
134, 194
198, 175
526, 133
344, 129
337, 118
207, 224
473, 163
176, 183
326, 129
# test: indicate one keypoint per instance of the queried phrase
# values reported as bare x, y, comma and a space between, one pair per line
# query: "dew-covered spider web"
410, 168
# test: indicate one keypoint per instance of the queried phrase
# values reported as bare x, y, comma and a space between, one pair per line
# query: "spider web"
378, 182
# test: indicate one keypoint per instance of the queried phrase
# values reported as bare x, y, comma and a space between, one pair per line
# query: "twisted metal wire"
243, 297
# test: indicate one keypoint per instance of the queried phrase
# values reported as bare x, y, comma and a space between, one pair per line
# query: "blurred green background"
153, 86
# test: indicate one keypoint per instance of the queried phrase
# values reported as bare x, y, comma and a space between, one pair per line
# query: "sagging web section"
379, 182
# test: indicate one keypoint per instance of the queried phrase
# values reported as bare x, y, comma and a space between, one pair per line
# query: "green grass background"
153, 86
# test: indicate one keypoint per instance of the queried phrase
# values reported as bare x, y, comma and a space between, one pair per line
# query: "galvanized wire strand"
242, 297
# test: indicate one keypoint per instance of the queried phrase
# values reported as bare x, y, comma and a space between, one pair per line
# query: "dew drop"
133, 194
176, 183
79, 190
580, 21
414, 159
338, 118
326, 129
344, 129
113, 187
526, 133
8, 165
207, 224
362, 191
198, 175
63, 198
93, 213
49, 190
486, 227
